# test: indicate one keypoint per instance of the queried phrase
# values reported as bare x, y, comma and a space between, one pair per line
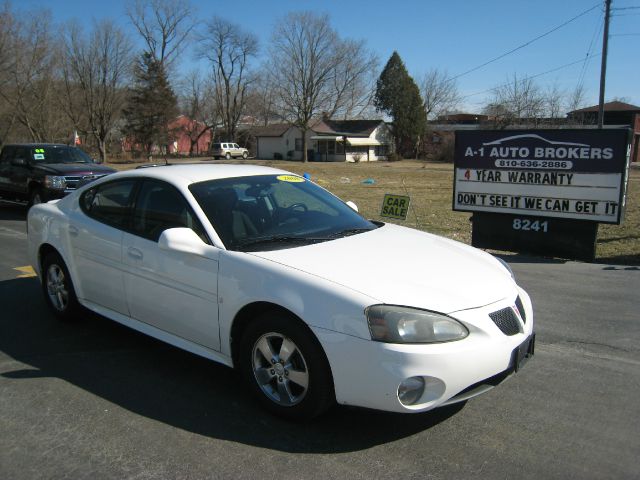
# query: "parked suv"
41, 172
228, 150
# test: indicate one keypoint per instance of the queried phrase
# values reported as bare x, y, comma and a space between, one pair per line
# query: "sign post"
541, 191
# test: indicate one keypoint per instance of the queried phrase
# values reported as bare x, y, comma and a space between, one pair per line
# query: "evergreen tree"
152, 104
398, 96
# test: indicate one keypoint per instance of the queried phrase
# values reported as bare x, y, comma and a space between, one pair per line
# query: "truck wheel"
228, 156
244, 155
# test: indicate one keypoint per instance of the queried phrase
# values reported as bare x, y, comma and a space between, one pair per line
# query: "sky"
452, 35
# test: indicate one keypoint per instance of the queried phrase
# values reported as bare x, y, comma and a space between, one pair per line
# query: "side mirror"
18, 162
185, 240
352, 205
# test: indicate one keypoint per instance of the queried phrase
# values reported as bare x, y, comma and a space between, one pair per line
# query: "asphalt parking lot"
97, 400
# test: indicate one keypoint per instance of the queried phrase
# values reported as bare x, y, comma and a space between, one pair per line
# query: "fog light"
410, 390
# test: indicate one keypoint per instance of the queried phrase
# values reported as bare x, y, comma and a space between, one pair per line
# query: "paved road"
97, 400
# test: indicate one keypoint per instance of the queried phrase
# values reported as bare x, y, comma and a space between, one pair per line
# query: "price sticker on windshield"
290, 178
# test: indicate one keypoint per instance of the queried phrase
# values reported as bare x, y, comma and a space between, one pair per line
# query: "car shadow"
168, 385
12, 211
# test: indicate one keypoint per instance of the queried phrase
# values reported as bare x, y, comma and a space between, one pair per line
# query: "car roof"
187, 174
37, 145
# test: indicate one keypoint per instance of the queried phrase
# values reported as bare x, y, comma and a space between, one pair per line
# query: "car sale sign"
565, 173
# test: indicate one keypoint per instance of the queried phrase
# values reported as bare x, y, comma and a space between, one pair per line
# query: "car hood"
75, 168
401, 266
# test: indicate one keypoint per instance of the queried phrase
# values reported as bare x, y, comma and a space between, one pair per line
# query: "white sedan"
265, 271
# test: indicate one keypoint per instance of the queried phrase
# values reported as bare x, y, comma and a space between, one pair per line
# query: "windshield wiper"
348, 232
279, 239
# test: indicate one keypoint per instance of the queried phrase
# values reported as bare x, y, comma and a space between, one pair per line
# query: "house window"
381, 150
298, 144
331, 147
340, 147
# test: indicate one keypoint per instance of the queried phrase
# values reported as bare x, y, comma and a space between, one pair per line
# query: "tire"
245, 155
35, 197
216, 157
228, 156
58, 290
299, 387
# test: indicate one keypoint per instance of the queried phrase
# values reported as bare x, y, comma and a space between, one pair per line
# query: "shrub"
394, 157
445, 152
357, 157
277, 156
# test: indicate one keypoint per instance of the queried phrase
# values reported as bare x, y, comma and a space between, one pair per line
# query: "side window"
20, 152
235, 145
6, 155
109, 203
159, 207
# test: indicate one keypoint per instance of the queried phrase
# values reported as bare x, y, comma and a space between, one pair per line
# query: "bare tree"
554, 98
261, 99
439, 92
164, 25
516, 100
229, 51
354, 80
29, 84
96, 69
577, 98
313, 70
197, 102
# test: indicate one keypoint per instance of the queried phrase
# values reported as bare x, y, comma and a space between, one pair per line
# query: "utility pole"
603, 65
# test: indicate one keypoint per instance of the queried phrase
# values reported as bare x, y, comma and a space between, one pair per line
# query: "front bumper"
368, 373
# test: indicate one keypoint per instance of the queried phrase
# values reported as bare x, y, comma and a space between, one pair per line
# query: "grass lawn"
430, 187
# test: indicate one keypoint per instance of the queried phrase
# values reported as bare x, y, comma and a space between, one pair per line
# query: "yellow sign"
25, 272
395, 206
290, 178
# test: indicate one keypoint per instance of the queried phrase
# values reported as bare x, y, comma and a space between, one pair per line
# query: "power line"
530, 77
525, 44
588, 57
625, 35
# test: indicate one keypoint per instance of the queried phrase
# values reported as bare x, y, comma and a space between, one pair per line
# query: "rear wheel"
228, 156
285, 367
58, 288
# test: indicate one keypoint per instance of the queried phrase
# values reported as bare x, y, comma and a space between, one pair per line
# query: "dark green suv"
39, 172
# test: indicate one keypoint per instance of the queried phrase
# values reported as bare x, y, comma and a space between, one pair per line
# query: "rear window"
216, 146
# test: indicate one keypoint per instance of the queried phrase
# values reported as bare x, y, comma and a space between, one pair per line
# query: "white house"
328, 141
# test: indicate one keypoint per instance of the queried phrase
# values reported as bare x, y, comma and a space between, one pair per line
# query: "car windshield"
269, 212
60, 154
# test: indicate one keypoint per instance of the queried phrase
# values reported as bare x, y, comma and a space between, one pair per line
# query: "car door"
95, 233
173, 291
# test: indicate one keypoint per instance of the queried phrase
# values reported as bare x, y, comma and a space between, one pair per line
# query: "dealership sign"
567, 174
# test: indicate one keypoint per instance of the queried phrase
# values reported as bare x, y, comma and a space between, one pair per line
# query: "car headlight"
55, 182
392, 324
507, 266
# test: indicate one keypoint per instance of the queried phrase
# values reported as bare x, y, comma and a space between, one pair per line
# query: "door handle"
135, 253
73, 231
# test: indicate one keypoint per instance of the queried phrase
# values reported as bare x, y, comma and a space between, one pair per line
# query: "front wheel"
228, 156
245, 155
35, 197
285, 367
58, 288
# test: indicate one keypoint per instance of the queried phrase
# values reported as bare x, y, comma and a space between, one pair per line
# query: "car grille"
506, 320
521, 310
73, 180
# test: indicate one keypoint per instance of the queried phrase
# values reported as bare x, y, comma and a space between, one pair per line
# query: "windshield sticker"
38, 156
39, 150
290, 178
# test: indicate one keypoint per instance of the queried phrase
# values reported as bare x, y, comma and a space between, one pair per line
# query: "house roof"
352, 128
609, 107
273, 130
